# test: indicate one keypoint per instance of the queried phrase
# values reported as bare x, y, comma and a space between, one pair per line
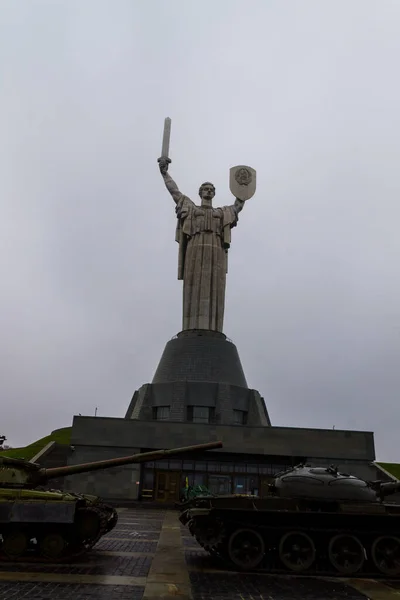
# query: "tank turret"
18, 473
327, 483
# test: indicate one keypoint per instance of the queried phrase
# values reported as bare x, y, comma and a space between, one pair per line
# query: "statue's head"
206, 193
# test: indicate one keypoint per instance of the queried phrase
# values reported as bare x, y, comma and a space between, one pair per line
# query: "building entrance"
163, 481
220, 484
167, 486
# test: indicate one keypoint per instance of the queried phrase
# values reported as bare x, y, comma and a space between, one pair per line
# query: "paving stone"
168, 576
200, 559
141, 518
189, 541
138, 566
135, 525
207, 586
52, 591
132, 533
126, 546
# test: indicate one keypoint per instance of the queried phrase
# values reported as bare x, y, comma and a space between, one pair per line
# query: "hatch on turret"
16, 472
18, 463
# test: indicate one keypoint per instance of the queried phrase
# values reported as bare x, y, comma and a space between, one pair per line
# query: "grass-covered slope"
392, 468
61, 436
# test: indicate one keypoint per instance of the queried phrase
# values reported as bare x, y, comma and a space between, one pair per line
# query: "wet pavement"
150, 556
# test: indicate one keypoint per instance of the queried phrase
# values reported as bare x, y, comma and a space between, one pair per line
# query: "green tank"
54, 525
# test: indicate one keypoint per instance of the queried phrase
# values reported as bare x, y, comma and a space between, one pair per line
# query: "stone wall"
119, 483
57, 456
334, 444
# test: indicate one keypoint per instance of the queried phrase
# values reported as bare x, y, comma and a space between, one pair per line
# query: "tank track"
75, 549
112, 522
215, 535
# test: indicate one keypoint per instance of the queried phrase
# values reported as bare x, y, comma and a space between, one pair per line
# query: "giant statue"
204, 237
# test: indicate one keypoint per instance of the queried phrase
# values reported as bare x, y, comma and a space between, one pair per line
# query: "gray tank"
327, 483
314, 520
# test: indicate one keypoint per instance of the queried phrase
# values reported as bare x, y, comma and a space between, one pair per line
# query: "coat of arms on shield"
242, 182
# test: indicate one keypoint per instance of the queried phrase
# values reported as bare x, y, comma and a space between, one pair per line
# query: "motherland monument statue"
204, 236
200, 378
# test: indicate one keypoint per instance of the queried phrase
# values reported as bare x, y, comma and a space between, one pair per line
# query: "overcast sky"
305, 92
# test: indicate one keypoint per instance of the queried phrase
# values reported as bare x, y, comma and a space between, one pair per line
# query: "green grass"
392, 468
61, 436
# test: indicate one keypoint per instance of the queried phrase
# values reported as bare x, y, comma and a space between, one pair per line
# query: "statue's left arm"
238, 205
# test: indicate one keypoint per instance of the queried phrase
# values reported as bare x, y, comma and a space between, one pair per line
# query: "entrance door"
219, 484
167, 486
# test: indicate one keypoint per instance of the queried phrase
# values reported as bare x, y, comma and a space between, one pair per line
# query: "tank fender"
194, 513
40, 512
191, 513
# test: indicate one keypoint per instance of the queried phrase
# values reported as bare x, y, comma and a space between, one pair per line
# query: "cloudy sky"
305, 92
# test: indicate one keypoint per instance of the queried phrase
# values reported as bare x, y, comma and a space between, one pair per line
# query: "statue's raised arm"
238, 204
169, 182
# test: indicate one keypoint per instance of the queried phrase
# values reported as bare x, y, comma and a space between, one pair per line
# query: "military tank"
314, 520
54, 525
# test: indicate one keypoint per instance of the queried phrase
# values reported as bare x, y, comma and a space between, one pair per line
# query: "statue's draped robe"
204, 236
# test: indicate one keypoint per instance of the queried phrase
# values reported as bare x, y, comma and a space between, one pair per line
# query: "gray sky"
308, 94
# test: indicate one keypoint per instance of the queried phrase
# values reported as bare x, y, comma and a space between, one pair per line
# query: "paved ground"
149, 556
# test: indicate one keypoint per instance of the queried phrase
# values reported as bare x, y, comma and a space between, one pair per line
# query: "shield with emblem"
242, 182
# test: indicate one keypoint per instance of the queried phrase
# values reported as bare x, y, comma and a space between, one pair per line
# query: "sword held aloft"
165, 142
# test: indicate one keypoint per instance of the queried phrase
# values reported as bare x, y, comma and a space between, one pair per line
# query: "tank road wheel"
246, 548
385, 553
346, 554
15, 544
52, 545
296, 551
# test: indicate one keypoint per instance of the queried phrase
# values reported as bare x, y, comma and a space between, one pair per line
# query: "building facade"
250, 457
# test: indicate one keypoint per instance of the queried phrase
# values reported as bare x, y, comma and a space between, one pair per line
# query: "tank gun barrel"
387, 489
52, 473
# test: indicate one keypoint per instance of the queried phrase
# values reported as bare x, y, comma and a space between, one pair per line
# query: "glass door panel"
161, 484
173, 486
219, 484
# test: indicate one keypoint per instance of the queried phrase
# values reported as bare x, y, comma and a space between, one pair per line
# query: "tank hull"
307, 536
51, 526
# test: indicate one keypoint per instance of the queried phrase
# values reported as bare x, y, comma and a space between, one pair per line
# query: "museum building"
199, 394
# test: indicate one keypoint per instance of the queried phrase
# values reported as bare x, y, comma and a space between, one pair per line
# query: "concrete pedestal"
200, 368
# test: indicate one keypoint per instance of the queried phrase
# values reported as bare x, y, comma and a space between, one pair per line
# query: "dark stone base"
200, 368
223, 399
200, 355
